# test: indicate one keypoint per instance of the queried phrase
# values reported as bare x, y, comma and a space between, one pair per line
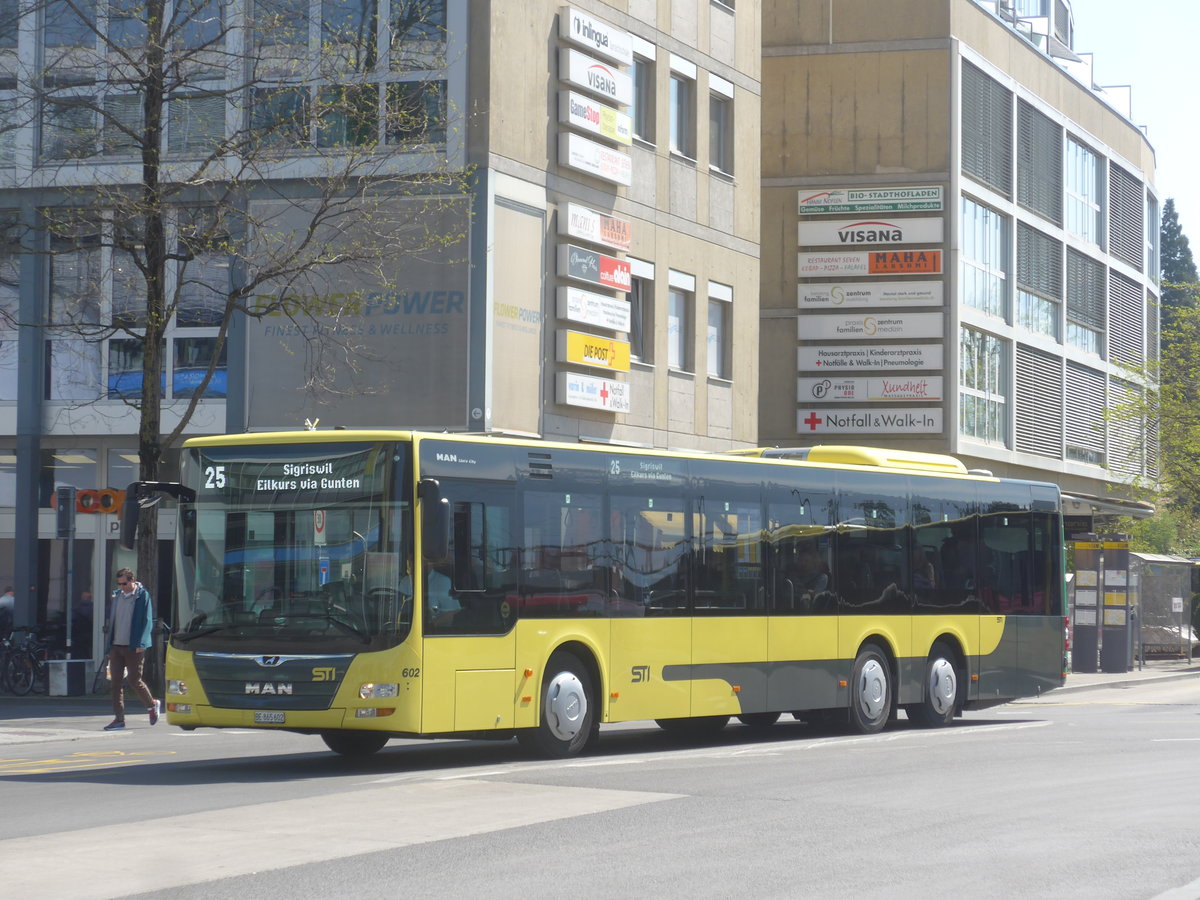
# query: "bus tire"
759, 720
940, 696
870, 691
568, 720
354, 744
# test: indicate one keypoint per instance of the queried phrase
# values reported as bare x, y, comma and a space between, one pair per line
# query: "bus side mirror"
130, 511
435, 521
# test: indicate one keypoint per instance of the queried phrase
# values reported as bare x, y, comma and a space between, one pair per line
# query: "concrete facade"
870, 95
472, 339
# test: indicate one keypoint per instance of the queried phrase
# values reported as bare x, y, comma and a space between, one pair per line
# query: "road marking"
75, 762
1188, 891
1169, 740
801, 744
225, 843
1041, 703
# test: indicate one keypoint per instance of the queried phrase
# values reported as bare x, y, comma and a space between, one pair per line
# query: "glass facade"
984, 258
983, 392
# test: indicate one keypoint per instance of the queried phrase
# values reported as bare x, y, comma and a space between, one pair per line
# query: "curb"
1124, 681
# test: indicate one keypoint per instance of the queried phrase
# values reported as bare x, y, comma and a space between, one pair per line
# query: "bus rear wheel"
870, 691
354, 744
936, 708
568, 716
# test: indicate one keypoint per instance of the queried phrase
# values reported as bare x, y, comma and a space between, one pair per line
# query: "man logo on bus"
269, 688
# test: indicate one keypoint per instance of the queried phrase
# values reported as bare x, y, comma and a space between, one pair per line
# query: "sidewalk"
1152, 670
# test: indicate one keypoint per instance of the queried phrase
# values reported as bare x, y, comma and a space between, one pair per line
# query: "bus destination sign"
324, 473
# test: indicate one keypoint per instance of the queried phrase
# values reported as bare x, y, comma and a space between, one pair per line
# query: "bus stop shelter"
1163, 588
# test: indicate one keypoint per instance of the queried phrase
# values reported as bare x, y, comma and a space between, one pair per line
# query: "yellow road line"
75, 762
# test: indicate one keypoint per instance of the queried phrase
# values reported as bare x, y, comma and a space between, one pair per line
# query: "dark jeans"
124, 659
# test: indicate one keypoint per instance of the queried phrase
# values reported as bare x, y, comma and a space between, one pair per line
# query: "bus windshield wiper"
184, 636
344, 625
348, 627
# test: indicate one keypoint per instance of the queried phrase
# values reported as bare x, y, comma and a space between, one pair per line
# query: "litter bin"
68, 677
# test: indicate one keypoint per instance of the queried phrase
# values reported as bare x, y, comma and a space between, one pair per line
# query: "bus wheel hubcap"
872, 689
943, 686
566, 706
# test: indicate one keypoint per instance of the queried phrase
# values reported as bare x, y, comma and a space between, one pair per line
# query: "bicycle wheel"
20, 672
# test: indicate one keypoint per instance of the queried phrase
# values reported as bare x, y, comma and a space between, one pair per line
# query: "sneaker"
115, 725
154, 711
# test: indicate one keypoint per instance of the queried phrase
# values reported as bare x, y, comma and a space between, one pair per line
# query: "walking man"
132, 622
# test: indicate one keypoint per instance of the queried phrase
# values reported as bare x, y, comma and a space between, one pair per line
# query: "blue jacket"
141, 626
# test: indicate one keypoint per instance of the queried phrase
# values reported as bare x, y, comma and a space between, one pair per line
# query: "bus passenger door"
469, 614
802, 643
729, 626
651, 650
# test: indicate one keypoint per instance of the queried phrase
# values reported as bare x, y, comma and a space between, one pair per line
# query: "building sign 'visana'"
587, 265
594, 117
594, 227
869, 421
599, 37
848, 389
848, 327
916, 357
593, 350
595, 76
577, 305
870, 200
577, 152
820, 264
592, 393
876, 294
869, 230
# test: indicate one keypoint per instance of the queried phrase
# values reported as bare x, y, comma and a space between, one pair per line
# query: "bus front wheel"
568, 716
354, 744
870, 691
936, 709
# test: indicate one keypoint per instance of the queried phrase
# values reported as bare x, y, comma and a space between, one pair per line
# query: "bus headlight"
372, 691
372, 713
176, 687
183, 709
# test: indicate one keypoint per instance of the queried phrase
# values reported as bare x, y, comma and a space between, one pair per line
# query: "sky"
1152, 46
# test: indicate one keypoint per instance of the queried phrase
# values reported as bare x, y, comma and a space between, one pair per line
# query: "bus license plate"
268, 718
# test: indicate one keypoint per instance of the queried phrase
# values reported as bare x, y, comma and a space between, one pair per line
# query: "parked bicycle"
25, 668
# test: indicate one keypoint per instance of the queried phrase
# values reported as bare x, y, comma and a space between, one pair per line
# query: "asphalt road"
1091, 793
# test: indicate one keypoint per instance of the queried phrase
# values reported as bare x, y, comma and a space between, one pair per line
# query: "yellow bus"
363, 585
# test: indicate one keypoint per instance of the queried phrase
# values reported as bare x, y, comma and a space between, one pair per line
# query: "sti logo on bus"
269, 688
639, 674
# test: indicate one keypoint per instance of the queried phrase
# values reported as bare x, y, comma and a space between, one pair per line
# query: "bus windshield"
295, 549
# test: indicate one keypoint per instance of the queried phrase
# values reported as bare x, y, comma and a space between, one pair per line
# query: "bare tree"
201, 160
